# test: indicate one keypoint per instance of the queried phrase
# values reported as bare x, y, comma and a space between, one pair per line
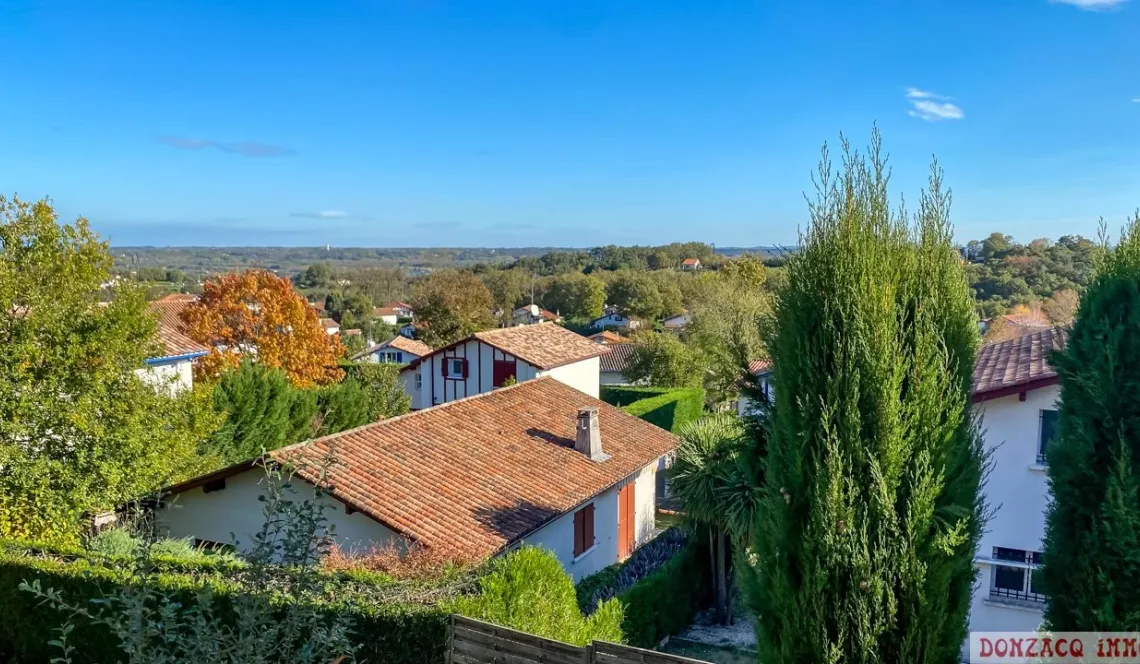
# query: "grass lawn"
715, 654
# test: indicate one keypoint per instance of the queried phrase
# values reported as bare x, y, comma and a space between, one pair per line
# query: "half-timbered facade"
496, 358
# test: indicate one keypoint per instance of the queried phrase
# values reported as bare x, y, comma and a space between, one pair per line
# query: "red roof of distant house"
690, 262
607, 337
399, 342
354, 332
1017, 365
171, 331
329, 324
478, 473
385, 311
757, 367
319, 305
396, 304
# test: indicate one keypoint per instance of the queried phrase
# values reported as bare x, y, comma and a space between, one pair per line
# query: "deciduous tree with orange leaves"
258, 313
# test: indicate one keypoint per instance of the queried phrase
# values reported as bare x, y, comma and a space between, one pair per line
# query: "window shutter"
579, 521
588, 530
446, 361
464, 361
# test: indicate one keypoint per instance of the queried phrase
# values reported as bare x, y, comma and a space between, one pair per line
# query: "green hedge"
391, 632
665, 602
667, 408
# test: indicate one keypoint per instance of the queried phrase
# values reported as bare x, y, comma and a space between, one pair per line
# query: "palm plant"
715, 479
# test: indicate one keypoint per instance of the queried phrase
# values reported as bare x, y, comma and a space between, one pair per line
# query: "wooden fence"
476, 642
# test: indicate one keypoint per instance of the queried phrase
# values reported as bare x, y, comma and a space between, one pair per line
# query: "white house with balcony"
494, 358
1016, 394
539, 464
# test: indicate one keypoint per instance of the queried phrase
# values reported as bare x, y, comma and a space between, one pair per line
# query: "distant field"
200, 260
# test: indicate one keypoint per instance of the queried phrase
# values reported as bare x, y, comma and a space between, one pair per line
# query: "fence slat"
473, 641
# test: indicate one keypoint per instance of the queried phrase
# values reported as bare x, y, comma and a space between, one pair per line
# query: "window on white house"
455, 368
1049, 421
583, 530
1018, 582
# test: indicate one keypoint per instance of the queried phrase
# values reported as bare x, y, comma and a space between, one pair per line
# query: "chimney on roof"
588, 440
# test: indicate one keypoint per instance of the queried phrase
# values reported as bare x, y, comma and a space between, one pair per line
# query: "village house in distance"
537, 463
494, 358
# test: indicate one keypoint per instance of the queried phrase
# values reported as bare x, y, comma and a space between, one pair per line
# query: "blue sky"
558, 122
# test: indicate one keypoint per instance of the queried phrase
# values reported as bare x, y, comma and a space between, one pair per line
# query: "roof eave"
1016, 388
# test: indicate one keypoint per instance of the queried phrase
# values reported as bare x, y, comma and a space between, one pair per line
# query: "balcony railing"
1020, 595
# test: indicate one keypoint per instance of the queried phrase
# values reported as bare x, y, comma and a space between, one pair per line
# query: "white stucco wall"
174, 376
1017, 492
558, 535
583, 376
235, 512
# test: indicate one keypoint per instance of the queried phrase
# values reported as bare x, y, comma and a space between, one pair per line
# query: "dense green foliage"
529, 591
711, 459
1091, 570
667, 408
401, 632
450, 305
1004, 274
264, 411
665, 602
864, 542
79, 430
663, 360
397, 622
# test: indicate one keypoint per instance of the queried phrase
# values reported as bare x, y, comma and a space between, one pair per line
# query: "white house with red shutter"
494, 358
538, 464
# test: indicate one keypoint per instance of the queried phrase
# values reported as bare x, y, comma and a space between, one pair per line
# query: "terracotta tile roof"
1019, 362
399, 342
608, 337
545, 345
171, 329
329, 324
690, 261
385, 311
478, 473
354, 332
618, 357
319, 305
757, 367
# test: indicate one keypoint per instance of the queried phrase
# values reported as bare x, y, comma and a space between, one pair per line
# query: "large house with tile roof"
397, 350
493, 358
537, 463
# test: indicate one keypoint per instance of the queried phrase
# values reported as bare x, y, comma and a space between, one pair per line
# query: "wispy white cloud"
931, 106
1136, 100
1092, 5
244, 148
323, 214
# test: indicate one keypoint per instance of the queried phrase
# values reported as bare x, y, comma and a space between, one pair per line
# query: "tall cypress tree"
1092, 543
863, 549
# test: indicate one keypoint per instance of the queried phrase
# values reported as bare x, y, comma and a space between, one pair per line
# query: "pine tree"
1091, 570
863, 548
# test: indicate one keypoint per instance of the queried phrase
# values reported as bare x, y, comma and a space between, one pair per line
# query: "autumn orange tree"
258, 313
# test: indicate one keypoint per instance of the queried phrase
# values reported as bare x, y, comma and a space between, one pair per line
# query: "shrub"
616, 579
624, 395
411, 561
665, 602
528, 590
114, 543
